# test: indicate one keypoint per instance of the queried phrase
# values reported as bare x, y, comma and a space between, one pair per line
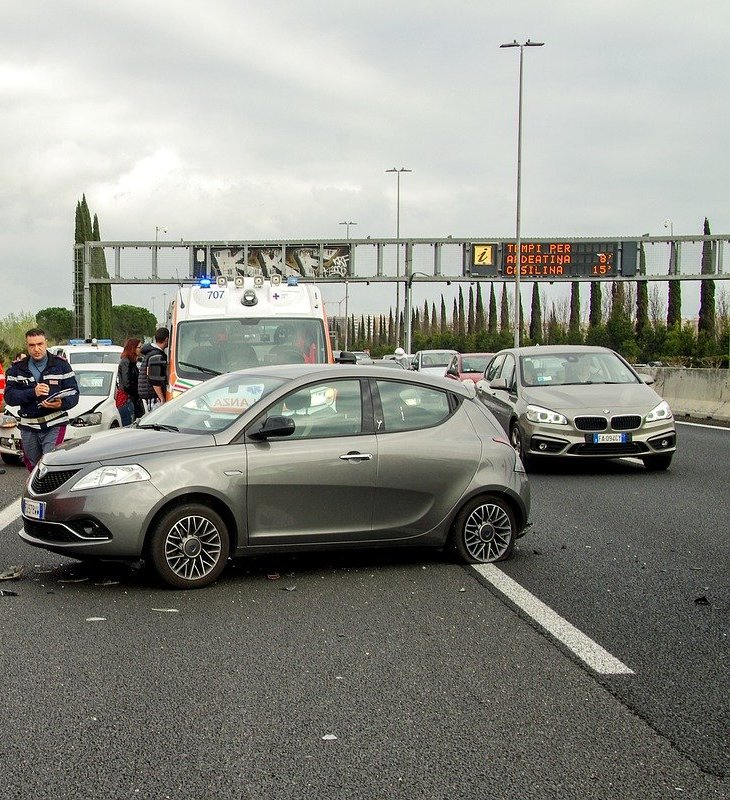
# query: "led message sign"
553, 259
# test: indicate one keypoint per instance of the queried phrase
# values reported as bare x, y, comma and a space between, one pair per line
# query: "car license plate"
34, 509
610, 438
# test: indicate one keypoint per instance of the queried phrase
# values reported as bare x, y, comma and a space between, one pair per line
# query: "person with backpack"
153, 369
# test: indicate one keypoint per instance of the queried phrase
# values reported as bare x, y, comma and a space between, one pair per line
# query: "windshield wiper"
199, 368
157, 427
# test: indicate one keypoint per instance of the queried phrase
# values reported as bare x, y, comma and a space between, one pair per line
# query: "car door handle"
356, 457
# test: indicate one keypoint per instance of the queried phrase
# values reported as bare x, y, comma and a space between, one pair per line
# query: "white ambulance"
219, 325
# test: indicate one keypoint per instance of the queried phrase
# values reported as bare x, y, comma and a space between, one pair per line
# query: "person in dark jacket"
129, 380
45, 388
153, 369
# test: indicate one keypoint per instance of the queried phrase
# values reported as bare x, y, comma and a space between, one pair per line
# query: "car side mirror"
272, 426
452, 371
498, 383
346, 358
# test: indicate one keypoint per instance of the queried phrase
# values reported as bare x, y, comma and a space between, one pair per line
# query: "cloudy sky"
233, 119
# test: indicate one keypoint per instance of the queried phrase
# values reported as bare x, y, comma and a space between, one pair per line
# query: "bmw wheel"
485, 530
189, 547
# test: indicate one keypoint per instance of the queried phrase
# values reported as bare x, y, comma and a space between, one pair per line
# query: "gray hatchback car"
285, 458
577, 402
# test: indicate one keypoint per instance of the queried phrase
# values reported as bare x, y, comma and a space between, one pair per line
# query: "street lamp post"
164, 307
158, 230
153, 308
408, 303
397, 236
518, 242
347, 285
669, 224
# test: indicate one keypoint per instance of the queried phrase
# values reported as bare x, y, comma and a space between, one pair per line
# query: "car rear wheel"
485, 530
658, 463
189, 547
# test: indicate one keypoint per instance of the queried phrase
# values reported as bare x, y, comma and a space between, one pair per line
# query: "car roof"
90, 347
328, 371
551, 349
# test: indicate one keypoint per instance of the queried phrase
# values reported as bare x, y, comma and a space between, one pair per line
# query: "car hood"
85, 404
594, 398
123, 443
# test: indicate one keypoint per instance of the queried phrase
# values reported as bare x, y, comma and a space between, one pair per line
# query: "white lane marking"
9, 514
588, 651
700, 425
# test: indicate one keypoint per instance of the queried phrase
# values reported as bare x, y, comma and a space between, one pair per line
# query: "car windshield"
95, 357
574, 369
212, 406
211, 347
437, 359
94, 384
474, 363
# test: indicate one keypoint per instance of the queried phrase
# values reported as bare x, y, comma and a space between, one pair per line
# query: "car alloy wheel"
515, 437
485, 530
189, 547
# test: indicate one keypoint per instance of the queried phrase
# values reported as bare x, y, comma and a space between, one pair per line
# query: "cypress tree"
504, 318
479, 322
461, 325
706, 324
426, 324
536, 316
471, 322
444, 325
434, 320
674, 305
78, 291
492, 321
103, 292
455, 318
574, 334
594, 314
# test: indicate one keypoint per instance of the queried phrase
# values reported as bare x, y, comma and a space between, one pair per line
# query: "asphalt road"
433, 684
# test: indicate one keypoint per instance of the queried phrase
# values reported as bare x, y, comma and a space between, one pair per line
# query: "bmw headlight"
87, 419
545, 416
662, 411
112, 476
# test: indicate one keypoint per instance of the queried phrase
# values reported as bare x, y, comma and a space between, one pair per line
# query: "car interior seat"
239, 355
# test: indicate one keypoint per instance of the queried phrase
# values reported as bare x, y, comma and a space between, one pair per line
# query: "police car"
88, 351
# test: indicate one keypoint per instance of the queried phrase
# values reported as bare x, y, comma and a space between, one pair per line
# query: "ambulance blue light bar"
204, 283
292, 280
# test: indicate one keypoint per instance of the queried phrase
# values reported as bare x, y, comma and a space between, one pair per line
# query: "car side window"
508, 372
492, 370
407, 407
328, 408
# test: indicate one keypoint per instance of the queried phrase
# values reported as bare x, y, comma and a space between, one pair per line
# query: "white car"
95, 411
88, 351
432, 362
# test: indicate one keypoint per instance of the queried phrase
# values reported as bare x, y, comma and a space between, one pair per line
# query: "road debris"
7, 593
12, 573
96, 619
329, 737
168, 610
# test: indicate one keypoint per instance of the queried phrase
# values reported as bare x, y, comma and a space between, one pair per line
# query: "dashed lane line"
588, 651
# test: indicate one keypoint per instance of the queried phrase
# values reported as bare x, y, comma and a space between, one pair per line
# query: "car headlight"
112, 476
87, 419
662, 411
545, 415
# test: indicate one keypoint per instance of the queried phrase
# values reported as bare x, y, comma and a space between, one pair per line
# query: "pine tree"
536, 316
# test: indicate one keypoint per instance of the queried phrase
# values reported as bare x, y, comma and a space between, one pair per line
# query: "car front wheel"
515, 437
485, 530
189, 547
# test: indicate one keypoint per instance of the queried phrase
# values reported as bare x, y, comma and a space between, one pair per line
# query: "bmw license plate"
610, 438
34, 509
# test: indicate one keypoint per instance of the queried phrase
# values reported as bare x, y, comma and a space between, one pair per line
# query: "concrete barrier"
701, 393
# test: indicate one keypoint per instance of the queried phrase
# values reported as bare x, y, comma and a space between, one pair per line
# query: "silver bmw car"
285, 458
577, 401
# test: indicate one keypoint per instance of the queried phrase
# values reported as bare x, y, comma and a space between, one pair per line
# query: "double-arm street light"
347, 285
397, 236
518, 243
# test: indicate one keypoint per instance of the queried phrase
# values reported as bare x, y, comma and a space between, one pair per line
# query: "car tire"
189, 546
8, 459
485, 530
515, 437
658, 463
